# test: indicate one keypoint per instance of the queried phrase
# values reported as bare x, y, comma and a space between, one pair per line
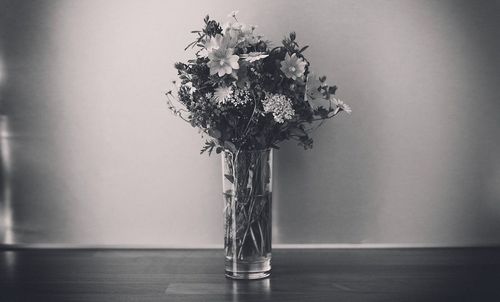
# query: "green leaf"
209, 146
332, 89
215, 133
298, 131
229, 145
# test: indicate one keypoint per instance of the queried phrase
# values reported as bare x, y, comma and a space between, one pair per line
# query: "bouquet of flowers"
246, 94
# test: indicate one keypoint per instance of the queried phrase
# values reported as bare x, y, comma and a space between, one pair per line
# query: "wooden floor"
298, 275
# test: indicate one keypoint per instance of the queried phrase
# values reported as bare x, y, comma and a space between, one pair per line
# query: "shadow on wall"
417, 161
32, 161
6, 232
481, 134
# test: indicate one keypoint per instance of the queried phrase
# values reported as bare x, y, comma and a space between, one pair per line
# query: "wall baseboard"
217, 246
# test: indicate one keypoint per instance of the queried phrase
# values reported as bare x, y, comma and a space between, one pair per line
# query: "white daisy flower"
222, 94
254, 56
341, 106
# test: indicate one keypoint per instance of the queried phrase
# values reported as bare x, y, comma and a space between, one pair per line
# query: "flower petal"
227, 69
234, 65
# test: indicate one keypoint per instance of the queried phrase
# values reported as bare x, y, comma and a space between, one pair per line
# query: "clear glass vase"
247, 186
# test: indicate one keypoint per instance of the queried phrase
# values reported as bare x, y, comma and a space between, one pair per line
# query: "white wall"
96, 158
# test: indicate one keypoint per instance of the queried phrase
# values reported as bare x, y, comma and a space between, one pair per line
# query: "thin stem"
251, 118
174, 109
234, 200
261, 238
249, 224
249, 206
254, 240
253, 199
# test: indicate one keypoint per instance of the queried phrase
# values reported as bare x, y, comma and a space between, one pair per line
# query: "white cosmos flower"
222, 58
223, 61
293, 67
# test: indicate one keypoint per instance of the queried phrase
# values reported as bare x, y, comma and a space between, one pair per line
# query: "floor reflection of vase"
247, 186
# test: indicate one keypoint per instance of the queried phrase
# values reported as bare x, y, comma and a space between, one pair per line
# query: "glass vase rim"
250, 151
